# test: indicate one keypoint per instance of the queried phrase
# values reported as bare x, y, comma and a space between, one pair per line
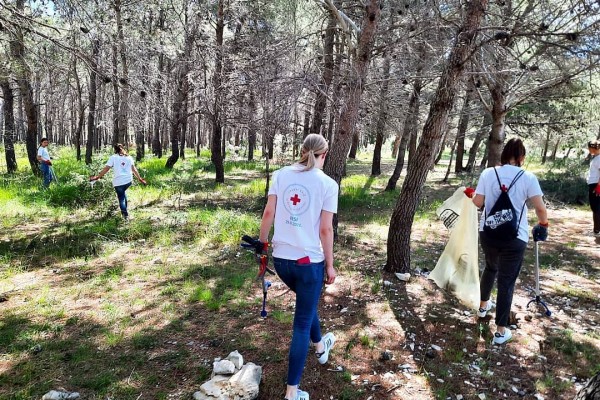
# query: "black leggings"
595, 206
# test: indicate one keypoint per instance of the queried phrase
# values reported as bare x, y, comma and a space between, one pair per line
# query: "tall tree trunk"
326, 77
463, 126
91, 120
546, 145
497, 135
156, 145
9, 124
398, 245
116, 97
216, 152
354, 146
381, 118
23, 78
487, 121
346, 126
184, 122
555, 149
251, 127
442, 147
409, 130
122, 125
81, 111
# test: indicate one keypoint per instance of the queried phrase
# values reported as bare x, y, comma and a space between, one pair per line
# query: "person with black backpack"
504, 232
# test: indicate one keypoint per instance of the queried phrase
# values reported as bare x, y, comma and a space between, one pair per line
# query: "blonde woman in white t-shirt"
123, 170
301, 203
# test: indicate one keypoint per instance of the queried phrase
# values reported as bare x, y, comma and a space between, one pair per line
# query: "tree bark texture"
381, 117
123, 80
326, 76
9, 125
91, 120
398, 245
487, 121
591, 391
23, 78
497, 135
216, 153
463, 126
346, 126
409, 130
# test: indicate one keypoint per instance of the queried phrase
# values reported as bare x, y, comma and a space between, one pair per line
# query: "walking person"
123, 170
593, 181
503, 258
45, 161
301, 204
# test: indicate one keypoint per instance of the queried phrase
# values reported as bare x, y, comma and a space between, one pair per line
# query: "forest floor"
140, 310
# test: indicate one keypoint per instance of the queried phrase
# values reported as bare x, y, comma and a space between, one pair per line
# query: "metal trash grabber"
263, 268
538, 299
53, 174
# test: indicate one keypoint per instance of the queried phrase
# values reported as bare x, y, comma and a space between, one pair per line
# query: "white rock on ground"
242, 385
236, 358
56, 395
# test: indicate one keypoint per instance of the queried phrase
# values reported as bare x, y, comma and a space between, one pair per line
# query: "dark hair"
44, 140
594, 144
119, 149
513, 150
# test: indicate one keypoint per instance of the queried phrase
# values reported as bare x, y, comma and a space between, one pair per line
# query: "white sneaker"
501, 339
482, 312
328, 341
300, 395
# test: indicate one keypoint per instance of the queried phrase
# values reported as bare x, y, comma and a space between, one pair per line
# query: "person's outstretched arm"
137, 174
101, 174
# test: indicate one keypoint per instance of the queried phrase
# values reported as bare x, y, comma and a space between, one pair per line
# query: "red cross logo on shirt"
295, 199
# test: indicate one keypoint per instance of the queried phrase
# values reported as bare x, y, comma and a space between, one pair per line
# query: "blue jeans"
122, 198
46, 174
502, 260
306, 281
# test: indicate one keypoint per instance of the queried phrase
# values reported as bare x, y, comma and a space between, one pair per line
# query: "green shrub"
564, 182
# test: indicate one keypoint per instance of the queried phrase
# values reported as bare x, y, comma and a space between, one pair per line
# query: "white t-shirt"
526, 187
121, 166
301, 196
594, 172
43, 152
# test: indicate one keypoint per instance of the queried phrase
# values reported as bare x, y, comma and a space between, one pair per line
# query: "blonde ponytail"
314, 145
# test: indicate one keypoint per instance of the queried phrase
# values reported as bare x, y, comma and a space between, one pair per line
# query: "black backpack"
501, 222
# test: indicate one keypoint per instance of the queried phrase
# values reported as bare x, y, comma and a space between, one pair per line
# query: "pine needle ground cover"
140, 310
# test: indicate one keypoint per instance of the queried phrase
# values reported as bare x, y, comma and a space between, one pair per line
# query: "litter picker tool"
263, 268
53, 174
538, 298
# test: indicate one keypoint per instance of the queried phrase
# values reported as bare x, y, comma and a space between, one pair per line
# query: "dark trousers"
503, 260
306, 281
595, 206
122, 198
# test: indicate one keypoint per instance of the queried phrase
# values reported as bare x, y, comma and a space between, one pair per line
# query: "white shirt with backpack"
524, 188
122, 169
301, 196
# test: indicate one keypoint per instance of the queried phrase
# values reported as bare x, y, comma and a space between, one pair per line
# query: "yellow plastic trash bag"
457, 269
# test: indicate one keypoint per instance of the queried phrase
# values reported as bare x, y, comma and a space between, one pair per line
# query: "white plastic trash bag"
457, 270
449, 211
